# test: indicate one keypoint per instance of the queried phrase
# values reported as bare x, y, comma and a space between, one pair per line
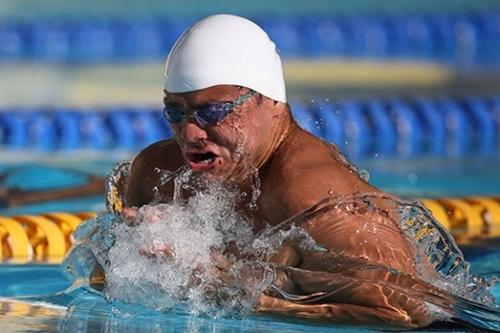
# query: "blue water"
80, 311
406, 178
84, 312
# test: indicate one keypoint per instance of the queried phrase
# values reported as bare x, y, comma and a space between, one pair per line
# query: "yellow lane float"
38, 238
48, 237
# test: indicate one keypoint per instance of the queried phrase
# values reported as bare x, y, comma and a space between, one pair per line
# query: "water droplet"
364, 174
412, 178
255, 190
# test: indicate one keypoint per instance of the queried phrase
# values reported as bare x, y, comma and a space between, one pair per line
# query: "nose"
190, 132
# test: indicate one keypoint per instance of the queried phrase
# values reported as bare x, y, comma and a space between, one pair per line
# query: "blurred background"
407, 89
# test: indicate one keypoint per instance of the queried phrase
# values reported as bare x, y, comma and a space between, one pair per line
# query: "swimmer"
225, 99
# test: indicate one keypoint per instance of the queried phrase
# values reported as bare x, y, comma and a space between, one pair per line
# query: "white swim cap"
225, 49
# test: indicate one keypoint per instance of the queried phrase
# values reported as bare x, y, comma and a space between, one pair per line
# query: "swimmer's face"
230, 149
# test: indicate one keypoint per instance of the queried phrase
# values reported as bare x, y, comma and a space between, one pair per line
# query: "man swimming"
225, 100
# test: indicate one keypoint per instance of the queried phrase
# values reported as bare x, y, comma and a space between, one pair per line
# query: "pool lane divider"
46, 238
38, 238
410, 127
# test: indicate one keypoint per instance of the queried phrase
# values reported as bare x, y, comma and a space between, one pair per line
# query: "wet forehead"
212, 95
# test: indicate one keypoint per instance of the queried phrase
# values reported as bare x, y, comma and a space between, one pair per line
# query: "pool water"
33, 301
406, 178
36, 298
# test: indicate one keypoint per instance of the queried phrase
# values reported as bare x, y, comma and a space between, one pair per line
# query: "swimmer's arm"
344, 313
350, 293
144, 177
344, 233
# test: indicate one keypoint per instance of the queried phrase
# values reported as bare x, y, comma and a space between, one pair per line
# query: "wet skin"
296, 171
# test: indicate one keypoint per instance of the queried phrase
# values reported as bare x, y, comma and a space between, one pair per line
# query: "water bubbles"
255, 190
196, 232
364, 174
429, 237
412, 178
200, 252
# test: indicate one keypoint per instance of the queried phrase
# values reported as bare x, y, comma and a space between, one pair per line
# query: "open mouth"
201, 161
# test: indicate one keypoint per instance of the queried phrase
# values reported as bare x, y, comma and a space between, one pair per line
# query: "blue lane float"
467, 38
433, 122
407, 128
385, 139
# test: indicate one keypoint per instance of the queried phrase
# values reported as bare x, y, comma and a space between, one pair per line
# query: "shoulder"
307, 170
146, 168
161, 154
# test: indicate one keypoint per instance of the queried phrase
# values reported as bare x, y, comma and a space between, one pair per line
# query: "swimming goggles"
209, 114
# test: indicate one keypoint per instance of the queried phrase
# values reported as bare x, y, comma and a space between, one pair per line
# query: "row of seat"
461, 38
405, 128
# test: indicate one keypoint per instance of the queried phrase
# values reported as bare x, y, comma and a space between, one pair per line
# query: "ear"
272, 107
277, 108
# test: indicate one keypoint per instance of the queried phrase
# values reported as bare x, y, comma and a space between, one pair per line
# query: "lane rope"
48, 237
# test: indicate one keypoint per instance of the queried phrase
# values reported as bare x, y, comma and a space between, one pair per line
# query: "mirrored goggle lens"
213, 114
173, 115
